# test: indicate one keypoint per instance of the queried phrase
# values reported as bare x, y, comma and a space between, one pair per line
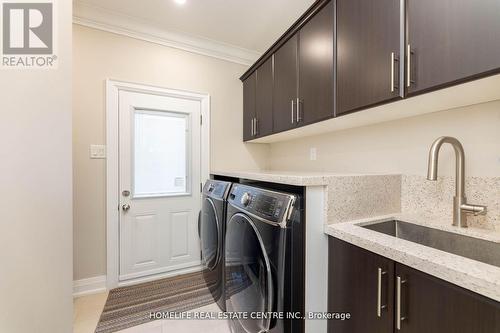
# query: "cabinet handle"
299, 110
394, 59
409, 80
399, 318
256, 122
293, 112
379, 292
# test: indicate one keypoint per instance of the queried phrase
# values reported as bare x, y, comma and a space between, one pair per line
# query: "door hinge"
201, 119
201, 187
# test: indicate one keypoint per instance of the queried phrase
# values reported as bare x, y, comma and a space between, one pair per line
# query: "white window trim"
113, 88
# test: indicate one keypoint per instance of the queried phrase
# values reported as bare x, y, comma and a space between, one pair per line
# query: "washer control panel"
265, 204
246, 199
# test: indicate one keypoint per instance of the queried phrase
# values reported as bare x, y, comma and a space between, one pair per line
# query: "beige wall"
401, 146
398, 146
35, 179
100, 55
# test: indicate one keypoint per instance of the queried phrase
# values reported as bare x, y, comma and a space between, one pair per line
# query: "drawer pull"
380, 273
399, 318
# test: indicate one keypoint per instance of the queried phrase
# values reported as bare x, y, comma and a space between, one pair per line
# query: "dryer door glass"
209, 235
248, 273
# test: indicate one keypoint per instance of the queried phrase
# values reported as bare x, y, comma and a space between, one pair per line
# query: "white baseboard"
93, 285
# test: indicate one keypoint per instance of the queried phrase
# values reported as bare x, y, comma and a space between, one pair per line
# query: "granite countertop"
290, 178
470, 274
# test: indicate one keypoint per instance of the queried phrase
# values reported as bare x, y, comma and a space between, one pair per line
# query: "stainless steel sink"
469, 247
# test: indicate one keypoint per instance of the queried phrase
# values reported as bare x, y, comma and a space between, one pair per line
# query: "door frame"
113, 87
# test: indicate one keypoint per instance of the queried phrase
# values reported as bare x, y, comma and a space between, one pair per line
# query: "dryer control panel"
274, 207
216, 189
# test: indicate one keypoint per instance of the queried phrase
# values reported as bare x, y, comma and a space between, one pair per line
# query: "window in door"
160, 161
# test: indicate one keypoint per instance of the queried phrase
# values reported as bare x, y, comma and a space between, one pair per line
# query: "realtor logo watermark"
28, 34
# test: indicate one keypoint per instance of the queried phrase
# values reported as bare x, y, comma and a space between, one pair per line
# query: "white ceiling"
249, 24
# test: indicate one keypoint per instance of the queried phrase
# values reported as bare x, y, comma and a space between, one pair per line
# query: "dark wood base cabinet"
354, 286
384, 296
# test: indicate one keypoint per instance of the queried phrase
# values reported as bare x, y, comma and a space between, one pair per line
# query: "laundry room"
285, 166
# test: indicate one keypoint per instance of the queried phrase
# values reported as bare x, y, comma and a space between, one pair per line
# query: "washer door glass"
248, 273
209, 235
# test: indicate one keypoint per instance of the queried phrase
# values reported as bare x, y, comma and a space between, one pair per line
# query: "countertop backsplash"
355, 197
435, 198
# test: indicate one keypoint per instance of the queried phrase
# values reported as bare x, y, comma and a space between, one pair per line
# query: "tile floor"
88, 310
86, 313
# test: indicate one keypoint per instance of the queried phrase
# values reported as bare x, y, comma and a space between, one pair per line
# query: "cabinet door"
316, 67
431, 305
285, 86
264, 99
368, 47
354, 286
249, 106
451, 41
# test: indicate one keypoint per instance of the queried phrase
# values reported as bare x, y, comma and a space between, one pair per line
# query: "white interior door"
159, 180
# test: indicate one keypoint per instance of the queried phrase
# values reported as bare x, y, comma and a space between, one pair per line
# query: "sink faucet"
460, 205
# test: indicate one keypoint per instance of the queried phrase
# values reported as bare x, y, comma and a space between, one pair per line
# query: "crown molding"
118, 23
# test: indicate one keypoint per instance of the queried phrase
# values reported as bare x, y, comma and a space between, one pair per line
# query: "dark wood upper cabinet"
303, 74
343, 56
285, 85
249, 85
451, 41
264, 99
368, 53
316, 67
431, 305
354, 287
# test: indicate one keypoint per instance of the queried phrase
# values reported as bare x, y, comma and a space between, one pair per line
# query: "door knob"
125, 207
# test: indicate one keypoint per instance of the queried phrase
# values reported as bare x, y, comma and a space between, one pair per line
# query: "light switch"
97, 151
313, 154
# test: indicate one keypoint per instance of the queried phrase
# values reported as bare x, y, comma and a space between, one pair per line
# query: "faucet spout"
460, 206
432, 169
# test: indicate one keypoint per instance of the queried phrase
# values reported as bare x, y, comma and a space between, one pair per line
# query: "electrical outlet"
97, 151
313, 154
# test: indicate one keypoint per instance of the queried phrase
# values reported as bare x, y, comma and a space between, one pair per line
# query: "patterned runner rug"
131, 306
